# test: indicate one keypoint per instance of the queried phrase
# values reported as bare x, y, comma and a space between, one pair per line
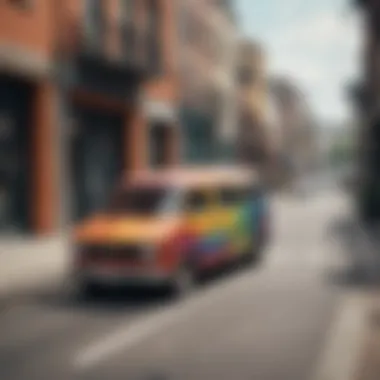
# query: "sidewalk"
368, 367
29, 263
354, 350
369, 360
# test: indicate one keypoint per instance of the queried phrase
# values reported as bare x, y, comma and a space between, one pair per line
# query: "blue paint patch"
212, 245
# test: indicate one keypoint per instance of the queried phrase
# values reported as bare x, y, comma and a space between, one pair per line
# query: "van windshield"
139, 200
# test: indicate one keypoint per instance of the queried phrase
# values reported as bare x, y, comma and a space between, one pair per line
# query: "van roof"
185, 177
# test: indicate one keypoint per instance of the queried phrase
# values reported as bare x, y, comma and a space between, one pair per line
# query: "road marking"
125, 337
339, 359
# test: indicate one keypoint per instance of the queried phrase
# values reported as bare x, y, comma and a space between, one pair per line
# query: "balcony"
121, 46
105, 57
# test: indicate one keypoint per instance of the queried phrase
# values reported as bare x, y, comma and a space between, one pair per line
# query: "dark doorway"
160, 135
96, 159
15, 154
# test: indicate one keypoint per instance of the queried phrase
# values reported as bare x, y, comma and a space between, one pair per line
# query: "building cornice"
20, 61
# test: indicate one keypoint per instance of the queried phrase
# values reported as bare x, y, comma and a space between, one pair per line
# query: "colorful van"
167, 227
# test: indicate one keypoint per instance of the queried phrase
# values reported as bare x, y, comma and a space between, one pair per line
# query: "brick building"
27, 104
98, 87
161, 92
253, 142
208, 99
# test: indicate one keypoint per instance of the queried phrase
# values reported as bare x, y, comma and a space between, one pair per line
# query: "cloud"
321, 31
315, 43
305, 72
320, 52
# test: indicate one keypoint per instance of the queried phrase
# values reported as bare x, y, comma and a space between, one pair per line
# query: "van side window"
230, 196
196, 201
255, 193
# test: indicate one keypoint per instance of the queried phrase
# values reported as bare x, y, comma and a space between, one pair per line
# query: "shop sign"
161, 111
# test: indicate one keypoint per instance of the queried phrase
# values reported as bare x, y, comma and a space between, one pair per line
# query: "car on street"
170, 226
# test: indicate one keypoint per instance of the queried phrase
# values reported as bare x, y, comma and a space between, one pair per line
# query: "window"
246, 76
140, 200
127, 8
95, 22
196, 201
159, 138
26, 4
256, 192
129, 37
154, 24
231, 196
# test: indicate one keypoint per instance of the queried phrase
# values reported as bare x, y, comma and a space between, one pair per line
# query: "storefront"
96, 158
15, 155
104, 124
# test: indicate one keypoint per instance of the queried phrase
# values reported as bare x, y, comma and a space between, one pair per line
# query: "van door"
205, 242
235, 218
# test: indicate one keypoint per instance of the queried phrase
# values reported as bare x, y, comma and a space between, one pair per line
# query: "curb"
17, 294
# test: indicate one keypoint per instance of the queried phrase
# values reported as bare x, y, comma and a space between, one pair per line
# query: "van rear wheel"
254, 254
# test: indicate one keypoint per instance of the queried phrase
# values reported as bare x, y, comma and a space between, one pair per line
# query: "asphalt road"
265, 323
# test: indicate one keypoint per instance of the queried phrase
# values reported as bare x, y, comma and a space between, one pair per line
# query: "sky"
315, 42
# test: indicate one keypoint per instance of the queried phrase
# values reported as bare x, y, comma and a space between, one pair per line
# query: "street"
266, 323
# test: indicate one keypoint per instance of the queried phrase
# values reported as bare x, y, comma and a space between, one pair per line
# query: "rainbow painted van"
167, 227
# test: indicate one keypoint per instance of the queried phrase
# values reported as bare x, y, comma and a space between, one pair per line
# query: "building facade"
161, 92
104, 87
254, 138
27, 120
298, 146
367, 99
208, 88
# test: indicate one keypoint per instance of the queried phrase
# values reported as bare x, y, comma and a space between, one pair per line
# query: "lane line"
340, 356
134, 332
124, 338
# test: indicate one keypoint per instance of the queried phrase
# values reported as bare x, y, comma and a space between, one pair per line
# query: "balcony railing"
121, 45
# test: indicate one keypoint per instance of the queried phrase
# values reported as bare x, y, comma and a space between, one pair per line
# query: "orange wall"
39, 28
70, 19
45, 193
29, 27
166, 86
136, 153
